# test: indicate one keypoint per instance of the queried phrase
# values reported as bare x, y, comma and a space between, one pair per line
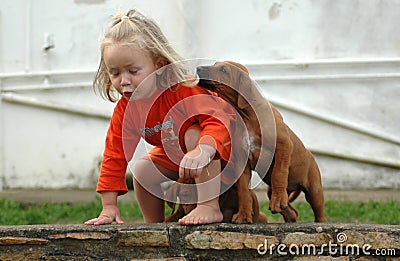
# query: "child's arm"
112, 181
121, 142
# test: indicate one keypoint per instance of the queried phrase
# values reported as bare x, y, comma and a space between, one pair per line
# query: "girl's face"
127, 67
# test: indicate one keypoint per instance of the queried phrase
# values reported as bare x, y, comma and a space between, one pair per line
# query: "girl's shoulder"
187, 91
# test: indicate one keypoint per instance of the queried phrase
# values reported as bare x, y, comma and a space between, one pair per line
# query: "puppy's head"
229, 79
184, 193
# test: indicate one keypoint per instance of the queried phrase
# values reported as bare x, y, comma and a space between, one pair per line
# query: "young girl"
188, 127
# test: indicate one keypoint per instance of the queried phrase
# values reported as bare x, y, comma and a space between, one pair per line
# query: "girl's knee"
149, 172
142, 169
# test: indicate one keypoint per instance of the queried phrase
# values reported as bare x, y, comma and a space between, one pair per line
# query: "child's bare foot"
202, 214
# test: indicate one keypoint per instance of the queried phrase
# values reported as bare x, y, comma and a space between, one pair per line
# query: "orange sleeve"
114, 163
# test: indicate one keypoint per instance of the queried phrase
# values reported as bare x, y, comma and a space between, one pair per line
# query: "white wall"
275, 30
332, 67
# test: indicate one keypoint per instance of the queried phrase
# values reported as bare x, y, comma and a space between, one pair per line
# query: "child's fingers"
91, 221
104, 220
185, 168
197, 172
118, 219
97, 221
193, 171
182, 165
193, 167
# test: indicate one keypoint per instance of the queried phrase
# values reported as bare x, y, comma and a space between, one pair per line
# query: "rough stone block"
143, 238
300, 239
22, 241
226, 240
82, 236
377, 240
21, 256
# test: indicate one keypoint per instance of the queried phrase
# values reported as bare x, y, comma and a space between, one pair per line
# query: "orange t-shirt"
162, 121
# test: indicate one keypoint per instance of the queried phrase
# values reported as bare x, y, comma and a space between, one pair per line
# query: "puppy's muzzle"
202, 71
205, 81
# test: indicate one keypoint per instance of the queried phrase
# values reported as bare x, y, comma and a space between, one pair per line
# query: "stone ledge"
329, 241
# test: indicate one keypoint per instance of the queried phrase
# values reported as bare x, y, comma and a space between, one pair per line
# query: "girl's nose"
127, 88
125, 79
126, 84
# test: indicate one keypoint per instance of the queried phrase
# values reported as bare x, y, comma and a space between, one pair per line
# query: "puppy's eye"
223, 69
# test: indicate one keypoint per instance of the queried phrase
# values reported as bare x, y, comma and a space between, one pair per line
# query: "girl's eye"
133, 71
114, 74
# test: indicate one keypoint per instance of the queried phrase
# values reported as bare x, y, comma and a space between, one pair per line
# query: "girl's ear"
161, 62
164, 74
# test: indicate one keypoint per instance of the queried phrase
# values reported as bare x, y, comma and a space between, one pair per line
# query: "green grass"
371, 212
14, 213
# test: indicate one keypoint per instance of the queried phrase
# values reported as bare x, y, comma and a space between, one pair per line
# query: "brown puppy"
293, 168
228, 202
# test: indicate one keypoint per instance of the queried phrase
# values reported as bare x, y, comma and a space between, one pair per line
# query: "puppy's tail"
294, 195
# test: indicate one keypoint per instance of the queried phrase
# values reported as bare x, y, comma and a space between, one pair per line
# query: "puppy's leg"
245, 204
280, 173
227, 213
244, 199
175, 216
258, 216
314, 193
256, 206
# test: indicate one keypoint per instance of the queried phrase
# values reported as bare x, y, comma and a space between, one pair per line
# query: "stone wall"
300, 241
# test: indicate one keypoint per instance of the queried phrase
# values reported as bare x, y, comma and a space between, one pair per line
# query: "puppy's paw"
262, 218
242, 218
290, 214
279, 201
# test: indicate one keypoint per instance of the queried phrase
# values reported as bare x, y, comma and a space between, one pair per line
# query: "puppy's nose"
202, 72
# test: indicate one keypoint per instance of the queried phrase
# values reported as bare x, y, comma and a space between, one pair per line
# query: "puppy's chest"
252, 143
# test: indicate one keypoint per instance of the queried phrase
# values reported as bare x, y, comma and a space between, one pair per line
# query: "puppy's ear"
244, 89
238, 65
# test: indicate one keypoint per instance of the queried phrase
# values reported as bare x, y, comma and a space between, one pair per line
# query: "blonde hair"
135, 29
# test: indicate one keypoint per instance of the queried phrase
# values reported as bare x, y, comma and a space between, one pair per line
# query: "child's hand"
110, 210
107, 216
195, 161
